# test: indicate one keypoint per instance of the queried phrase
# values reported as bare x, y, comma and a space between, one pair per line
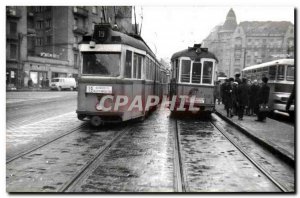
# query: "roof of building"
265, 27
230, 24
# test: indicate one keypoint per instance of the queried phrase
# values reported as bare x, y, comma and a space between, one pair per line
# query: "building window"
94, 9
12, 28
39, 25
49, 40
48, 23
39, 41
13, 51
75, 60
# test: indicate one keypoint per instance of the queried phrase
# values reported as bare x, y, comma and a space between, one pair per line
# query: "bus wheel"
96, 121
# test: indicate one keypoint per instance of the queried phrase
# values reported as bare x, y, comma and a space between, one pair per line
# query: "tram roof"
192, 53
116, 37
271, 63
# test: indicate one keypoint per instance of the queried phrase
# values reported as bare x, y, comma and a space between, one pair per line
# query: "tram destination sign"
99, 89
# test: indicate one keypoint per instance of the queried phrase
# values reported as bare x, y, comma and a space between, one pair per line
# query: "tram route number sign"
99, 89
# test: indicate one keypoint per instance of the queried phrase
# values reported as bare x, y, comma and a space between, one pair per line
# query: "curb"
283, 154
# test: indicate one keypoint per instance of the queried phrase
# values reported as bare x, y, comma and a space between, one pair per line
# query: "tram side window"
147, 68
272, 72
196, 75
290, 72
280, 72
137, 65
207, 72
128, 64
185, 70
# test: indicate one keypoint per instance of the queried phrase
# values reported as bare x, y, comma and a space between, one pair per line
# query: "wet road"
131, 157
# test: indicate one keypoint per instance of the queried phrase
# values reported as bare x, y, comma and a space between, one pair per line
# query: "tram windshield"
103, 64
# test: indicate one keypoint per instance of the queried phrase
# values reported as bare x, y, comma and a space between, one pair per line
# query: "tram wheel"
96, 121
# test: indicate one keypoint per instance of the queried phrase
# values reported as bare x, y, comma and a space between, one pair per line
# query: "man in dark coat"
262, 98
253, 91
228, 97
222, 90
242, 98
237, 78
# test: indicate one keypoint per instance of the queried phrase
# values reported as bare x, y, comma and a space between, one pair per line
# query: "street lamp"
20, 63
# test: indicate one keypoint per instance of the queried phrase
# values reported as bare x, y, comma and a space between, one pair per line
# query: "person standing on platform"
253, 91
242, 98
262, 99
228, 97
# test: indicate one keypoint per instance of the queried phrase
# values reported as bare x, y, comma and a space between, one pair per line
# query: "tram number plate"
99, 89
199, 100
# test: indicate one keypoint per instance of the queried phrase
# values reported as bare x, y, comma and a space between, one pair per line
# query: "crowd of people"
243, 97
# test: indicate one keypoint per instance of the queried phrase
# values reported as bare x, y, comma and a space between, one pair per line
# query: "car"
61, 83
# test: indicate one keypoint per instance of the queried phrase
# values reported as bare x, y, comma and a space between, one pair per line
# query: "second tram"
192, 80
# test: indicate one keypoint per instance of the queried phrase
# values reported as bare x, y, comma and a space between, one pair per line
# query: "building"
42, 41
250, 42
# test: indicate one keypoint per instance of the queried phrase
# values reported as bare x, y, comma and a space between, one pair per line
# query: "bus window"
196, 73
272, 72
185, 70
290, 72
207, 72
280, 73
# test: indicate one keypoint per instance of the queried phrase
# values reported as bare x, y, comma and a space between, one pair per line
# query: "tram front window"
290, 72
185, 70
103, 64
207, 72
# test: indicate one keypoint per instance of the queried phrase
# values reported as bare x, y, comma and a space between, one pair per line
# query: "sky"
168, 29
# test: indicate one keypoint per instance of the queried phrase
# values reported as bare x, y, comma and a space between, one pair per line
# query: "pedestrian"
217, 90
290, 101
30, 83
228, 97
222, 90
262, 100
247, 107
47, 82
242, 98
253, 92
234, 98
237, 78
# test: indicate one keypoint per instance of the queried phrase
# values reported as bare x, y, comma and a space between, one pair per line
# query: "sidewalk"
277, 135
28, 89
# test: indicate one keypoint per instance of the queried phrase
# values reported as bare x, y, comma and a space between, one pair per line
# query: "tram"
281, 74
192, 80
116, 70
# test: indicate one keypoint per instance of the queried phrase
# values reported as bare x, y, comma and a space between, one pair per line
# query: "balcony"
13, 13
80, 11
79, 30
31, 30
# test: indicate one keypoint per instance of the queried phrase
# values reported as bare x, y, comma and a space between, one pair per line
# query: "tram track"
30, 150
92, 163
256, 164
183, 160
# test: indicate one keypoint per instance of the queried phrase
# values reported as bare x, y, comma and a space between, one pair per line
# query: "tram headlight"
92, 44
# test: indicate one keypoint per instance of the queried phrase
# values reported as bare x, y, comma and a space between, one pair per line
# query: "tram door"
174, 79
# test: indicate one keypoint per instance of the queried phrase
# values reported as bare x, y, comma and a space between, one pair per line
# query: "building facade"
248, 43
42, 41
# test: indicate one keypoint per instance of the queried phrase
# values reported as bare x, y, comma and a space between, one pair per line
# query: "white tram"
281, 74
193, 75
116, 66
